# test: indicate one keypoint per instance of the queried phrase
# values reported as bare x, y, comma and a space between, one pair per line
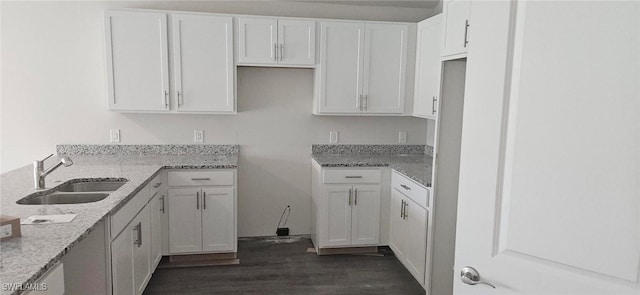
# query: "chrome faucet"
39, 173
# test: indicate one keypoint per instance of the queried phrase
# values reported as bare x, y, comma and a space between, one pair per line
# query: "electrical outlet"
198, 136
333, 136
114, 135
402, 137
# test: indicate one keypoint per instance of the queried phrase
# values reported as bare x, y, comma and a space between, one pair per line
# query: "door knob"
471, 276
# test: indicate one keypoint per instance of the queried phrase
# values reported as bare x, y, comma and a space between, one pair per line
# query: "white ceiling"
388, 3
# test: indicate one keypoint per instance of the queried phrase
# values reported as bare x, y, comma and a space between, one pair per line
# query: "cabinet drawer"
352, 176
410, 188
200, 178
154, 185
124, 215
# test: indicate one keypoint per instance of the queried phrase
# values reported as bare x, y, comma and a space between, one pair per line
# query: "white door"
398, 229
203, 63
335, 229
218, 220
137, 61
258, 40
297, 41
455, 33
155, 206
141, 251
341, 57
185, 220
549, 176
365, 215
415, 256
122, 261
428, 68
385, 64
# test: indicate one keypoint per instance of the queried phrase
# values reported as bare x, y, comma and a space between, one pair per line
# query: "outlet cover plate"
333, 136
402, 137
198, 136
114, 135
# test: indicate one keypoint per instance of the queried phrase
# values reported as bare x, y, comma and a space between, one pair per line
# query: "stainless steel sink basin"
75, 191
94, 186
63, 198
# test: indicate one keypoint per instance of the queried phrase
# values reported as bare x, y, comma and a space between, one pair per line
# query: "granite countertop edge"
231, 162
405, 164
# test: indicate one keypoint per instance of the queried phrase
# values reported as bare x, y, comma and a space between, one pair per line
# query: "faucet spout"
39, 173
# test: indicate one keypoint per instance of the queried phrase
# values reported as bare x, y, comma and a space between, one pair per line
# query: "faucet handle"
49, 156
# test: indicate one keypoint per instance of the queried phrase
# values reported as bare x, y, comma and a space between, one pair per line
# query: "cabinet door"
341, 57
185, 220
155, 206
122, 261
455, 31
365, 215
428, 68
398, 229
415, 254
385, 63
218, 220
257, 40
298, 42
142, 251
203, 63
137, 61
335, 229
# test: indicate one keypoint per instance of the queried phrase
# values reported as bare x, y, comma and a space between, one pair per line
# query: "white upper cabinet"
137, 61
341, 58
385, 64
362, 68
455, 39
203, 63
270, 41
428, 68
202, 79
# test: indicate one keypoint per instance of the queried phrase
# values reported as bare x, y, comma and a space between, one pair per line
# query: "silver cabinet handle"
406, 204
402, 209
433, 105
162, 200
204, 200
138, 229
157, 185
180, 98
360, 102
405, 187
200, 178
353, 176
275, 51
281, 51
349, 200
466, 32
355, 198
366, 102
471, 276
197, 200
166, 99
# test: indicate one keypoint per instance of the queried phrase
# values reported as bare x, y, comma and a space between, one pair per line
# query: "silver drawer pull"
157, 185
405, 187
353, 176
204, 178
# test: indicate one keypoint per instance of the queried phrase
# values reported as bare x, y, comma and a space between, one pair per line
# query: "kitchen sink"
93, 186
63, 198
75, 191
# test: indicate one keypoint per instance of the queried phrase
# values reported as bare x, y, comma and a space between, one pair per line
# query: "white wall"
53, 91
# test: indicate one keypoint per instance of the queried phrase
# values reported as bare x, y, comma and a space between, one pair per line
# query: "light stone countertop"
23, 260
415, 166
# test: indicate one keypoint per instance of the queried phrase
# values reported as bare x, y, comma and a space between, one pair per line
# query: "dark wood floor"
285, 267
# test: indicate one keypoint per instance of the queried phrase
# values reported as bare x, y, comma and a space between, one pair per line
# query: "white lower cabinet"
136, 241
346, 207
202, 215
51, 283
409, 224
